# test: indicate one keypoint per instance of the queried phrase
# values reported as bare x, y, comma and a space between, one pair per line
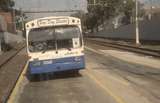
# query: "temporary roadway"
111, 76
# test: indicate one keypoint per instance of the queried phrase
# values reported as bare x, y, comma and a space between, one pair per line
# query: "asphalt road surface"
106, 79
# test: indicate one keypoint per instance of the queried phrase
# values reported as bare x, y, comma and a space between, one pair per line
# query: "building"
9, 19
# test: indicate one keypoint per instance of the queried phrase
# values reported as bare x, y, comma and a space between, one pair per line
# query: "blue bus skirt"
57, 65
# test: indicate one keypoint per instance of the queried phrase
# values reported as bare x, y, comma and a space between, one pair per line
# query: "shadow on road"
53, 76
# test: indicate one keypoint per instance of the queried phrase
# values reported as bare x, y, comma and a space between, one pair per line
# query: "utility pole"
137, 23
0, 46
22, 18
94, 2
151, 9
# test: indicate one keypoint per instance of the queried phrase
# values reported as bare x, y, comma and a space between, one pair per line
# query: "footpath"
12, 63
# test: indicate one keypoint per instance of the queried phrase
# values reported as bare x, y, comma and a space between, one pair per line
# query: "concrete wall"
8, 18
3, 24
3, 28
149, 30
5, 36
12, 38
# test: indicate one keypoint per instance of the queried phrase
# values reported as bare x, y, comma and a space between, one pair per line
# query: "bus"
55, 44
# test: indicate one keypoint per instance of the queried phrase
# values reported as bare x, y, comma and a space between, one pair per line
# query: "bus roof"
52, 21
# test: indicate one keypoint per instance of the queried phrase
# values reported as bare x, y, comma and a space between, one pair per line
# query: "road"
106, 79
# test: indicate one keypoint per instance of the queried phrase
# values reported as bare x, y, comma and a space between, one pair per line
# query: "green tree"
101, 11
106, 9
6, 4
128, 9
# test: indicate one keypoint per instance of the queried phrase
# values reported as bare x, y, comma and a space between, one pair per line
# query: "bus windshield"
51, 38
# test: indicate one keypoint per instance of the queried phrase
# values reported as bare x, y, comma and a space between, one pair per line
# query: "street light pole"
137, 23
22, 19
94, 2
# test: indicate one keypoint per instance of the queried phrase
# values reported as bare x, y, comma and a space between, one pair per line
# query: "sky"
54, 5
51, 4
62, 4
148, 3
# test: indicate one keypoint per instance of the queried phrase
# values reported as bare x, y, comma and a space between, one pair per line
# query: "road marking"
13, 95
108, 90
118, 99
94, 50
125, 82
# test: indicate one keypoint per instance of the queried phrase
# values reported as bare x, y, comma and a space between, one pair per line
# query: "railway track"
11, 66
9, 55
136, 49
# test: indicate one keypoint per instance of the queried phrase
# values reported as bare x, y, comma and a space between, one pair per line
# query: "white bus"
55, 44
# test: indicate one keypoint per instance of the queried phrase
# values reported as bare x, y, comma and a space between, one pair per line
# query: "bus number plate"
47, 62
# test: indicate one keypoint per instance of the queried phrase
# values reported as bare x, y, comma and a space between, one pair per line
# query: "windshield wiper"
44, 50
69, 48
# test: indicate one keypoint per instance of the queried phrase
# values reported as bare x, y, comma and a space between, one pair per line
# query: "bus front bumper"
57, 65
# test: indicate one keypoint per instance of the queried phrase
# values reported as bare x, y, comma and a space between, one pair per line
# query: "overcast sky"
155, 3
51, 4
44, 5
61, 4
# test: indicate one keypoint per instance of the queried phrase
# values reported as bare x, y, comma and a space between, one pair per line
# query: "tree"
128, 9
6, 5
82, 16
92, 22
104, 10
101, 11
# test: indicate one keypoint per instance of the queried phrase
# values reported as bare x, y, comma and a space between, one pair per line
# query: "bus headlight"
36, 63
77, 59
